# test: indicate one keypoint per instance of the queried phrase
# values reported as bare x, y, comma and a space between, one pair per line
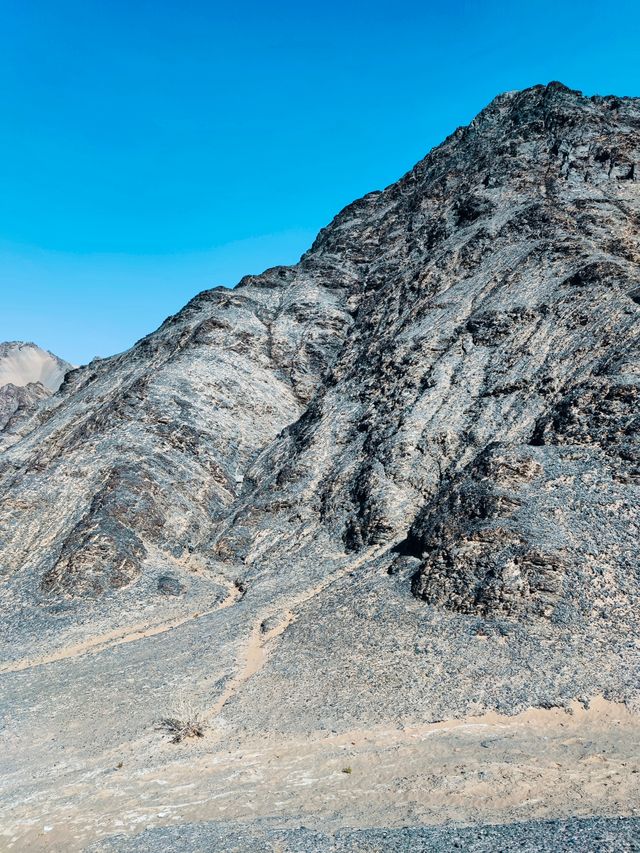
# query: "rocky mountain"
25, 364
28, 374
394, 484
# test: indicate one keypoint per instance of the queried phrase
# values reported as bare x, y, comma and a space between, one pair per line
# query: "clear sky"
149, 150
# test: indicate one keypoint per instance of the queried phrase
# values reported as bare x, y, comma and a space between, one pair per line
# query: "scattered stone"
168, 585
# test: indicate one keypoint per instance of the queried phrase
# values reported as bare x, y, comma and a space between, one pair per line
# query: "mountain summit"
393, 484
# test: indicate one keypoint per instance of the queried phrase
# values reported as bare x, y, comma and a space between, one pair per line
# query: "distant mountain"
25, 363
392, 486
28, 374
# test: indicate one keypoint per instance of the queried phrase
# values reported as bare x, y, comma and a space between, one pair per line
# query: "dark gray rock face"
486, 395
406, 466
17, 401
168, 585
498, 282
145, 450
454, 363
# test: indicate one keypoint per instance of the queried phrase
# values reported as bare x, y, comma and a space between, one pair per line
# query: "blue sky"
149, 150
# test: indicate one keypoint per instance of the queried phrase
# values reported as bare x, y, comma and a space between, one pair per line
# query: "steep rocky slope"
393, 484
17, 402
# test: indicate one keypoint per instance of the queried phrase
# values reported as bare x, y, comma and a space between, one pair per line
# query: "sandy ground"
538, 764
63, 792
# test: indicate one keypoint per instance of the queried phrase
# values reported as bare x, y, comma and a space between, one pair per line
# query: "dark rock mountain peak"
413, 456
475, 315
486, 298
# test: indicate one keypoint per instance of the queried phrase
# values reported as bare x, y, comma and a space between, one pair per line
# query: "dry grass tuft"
184, 722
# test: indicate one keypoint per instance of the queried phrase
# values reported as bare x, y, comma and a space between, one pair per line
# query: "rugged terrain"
393, 485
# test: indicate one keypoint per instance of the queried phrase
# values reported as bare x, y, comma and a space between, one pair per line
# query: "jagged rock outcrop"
499, 296
144, 451
17, 401
411, 459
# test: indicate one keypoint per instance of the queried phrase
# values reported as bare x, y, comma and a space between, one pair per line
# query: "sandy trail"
489, 768
538, 764
254, 654
119, 636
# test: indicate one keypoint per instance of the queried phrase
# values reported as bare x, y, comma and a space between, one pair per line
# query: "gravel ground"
555, 836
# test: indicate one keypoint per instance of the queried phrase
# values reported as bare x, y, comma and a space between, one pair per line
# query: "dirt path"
119, 636
254, 653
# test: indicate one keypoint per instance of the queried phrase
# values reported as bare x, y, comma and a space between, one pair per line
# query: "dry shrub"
183, 722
